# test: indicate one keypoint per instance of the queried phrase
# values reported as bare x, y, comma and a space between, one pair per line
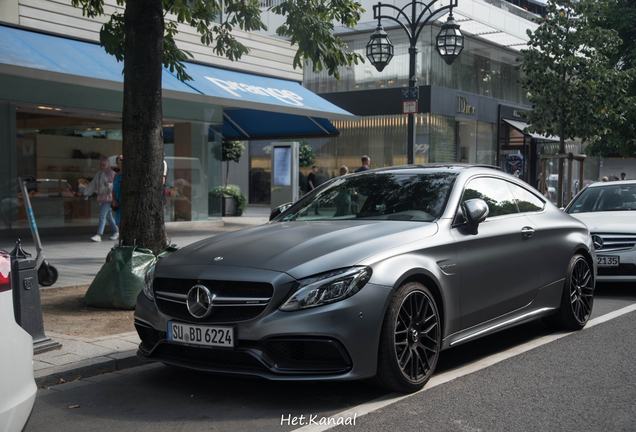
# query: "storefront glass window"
7, 164
486, 143
467, 140
62, 148
482, 68
383, 139
260, 172
443, 139
194, 171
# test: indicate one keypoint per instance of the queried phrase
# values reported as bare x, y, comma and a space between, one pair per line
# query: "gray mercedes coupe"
370, 276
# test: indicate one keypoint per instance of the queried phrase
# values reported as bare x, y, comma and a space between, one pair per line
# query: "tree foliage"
231, 151
309, 25
143, 36
306, 155
571, 83
620, 139
620, 15
574, 88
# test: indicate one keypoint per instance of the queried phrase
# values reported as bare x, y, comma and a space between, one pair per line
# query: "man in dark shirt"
366, 160
312, 183
311, 179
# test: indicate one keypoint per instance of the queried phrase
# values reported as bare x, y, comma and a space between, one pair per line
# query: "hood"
612, 222
301, 248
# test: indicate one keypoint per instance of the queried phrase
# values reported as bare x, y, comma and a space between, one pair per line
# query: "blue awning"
254, 107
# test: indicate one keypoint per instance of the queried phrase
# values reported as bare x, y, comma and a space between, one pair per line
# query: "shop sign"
409, 107
233, 88
410, 96
463, 107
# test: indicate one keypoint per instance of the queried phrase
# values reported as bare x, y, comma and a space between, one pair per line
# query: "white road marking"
436, 380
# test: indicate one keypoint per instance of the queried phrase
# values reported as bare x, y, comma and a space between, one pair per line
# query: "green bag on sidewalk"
121, 278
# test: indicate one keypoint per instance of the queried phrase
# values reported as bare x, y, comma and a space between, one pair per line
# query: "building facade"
467, 112
61, 101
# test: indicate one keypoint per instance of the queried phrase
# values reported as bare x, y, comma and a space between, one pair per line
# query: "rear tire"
410, 340
577, 299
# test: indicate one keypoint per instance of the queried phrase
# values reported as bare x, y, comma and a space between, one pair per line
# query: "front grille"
207, 356
274, 356
149, 336
219, 287
234, 300
306, 350
616, 242
621, 270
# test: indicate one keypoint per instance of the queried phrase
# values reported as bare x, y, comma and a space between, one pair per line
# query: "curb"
87, 368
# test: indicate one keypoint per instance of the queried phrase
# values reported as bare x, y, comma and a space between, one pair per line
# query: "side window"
526, 200
496, 194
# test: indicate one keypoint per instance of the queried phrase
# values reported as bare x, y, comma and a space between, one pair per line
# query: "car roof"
612, 183
432, 167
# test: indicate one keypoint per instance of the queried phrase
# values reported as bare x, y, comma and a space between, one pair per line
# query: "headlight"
327, 288
149, 277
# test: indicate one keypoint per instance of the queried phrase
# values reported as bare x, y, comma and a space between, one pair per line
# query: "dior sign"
463, 107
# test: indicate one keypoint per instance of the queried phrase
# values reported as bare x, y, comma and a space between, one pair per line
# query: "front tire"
577, 299
410, 340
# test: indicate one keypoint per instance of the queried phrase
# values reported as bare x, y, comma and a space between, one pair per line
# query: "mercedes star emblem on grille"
598, 241
199, 301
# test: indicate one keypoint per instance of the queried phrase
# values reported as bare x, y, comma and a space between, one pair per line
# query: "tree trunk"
142, 221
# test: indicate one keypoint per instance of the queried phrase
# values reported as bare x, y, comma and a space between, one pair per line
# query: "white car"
17, 385
609, 211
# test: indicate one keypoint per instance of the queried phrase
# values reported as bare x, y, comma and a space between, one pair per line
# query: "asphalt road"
522, 379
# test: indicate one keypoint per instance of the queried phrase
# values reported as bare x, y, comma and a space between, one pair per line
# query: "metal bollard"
26, 299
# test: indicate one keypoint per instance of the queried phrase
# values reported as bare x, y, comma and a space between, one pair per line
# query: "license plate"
201, 335
607, 261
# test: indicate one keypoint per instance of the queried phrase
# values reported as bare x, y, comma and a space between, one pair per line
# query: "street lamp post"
449, 43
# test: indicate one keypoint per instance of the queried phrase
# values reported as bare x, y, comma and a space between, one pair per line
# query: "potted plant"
233, 201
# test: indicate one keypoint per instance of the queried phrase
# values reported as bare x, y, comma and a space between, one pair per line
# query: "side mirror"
475, 212
278, 210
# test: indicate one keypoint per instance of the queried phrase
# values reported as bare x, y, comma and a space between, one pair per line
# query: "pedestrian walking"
312, 180
366, 160
312, 183
102, 183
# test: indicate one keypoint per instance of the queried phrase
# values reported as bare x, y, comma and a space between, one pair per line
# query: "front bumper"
625, 272
333, 342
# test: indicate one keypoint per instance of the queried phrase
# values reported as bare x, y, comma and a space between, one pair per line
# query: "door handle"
527, 232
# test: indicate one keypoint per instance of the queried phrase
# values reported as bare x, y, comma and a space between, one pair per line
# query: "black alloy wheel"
410, 341
577, 299
581, 290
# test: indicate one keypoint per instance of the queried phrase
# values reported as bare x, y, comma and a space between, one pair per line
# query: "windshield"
617, 197
389, 196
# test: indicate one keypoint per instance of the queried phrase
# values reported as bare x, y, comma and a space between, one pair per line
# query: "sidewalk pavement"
78, 260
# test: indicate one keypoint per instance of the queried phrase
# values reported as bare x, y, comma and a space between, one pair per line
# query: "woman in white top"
102, 183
